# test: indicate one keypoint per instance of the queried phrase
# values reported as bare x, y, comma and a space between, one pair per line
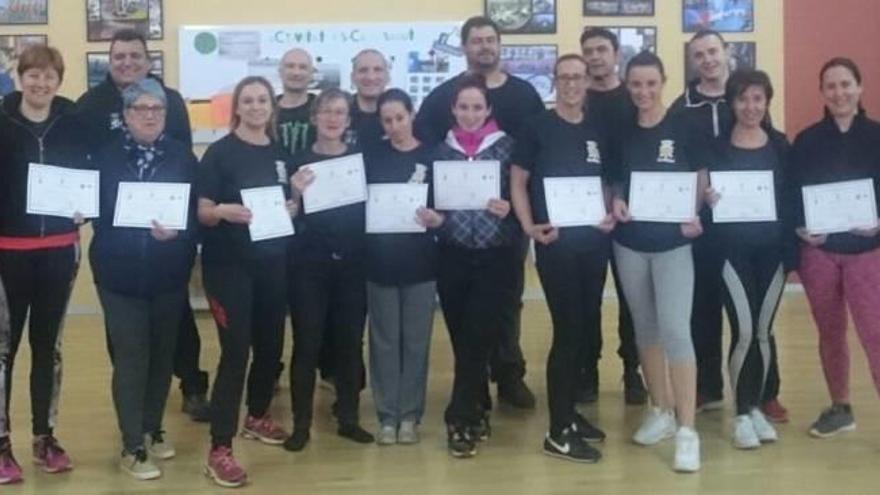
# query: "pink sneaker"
10, 471
49, 455
223, 469
264, 430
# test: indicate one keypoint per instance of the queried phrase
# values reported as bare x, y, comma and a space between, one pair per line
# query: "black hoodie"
711, 116
59, 141
100, 108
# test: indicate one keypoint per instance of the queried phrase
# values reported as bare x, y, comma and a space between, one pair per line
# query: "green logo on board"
205, 43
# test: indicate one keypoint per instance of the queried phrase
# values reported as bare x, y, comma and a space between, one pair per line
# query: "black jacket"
60, 143
129, 261
711, 116
100, 108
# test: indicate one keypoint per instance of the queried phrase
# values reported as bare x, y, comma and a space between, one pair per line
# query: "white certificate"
270, 218
61, 192
574, 201
668, 197
840, 206
464, 185
746, 196
139, 203
338, 182
391, 208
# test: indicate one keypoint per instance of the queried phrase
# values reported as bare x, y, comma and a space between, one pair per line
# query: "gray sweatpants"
659, 288
143, 334
401, 319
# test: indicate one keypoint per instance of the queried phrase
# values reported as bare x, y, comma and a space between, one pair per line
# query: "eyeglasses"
147, 110
570, 78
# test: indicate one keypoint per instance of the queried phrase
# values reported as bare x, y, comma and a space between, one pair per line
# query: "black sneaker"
297, 440
460, 443
197, 407
482, 431
586, 430
634, 393
356, 433
836, 419
516, 393
571, 446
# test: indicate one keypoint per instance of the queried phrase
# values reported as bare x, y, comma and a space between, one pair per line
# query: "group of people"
333, 278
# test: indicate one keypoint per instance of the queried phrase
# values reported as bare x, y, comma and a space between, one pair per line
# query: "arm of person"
519, 194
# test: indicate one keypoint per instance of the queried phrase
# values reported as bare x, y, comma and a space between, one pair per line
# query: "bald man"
370, 74
295, 129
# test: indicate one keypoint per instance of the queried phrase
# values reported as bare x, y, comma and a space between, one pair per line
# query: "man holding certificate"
142, 255
39, 217
558, 187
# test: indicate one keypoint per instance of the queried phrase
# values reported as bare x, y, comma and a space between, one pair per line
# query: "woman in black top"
839, 270
401, 287
244, 280
327, 286
754, 253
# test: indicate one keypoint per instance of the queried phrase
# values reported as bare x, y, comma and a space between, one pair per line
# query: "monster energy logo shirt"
295, 130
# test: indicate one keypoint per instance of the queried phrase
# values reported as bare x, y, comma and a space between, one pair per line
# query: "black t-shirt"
335, 233
553, 147
666, 147
294, 127
230, 165
365, 130
513, 103
613, 112
400, 259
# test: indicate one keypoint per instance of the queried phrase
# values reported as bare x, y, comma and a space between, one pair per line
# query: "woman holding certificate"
559, 159
477, 260
327, 284
747, 199
141, 260
401, 271
39, 242
244, 254
656, 204
834, 175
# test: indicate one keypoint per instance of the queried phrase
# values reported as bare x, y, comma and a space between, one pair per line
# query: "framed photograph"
726, 16
534, 63
633, 39
24, 12
618, 7
98, 65
11, 46
523, 16
105, 17
741, 54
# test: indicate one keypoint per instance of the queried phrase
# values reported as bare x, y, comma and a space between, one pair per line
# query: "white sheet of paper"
391, 208
464, 185
270, 218
746, 196
338, 182
840, 206
668, 197
61, 192
139, 203
574, 201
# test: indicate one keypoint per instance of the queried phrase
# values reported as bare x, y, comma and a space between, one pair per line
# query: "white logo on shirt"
593, 152
667, 151
281, 171
115, 121
418, 176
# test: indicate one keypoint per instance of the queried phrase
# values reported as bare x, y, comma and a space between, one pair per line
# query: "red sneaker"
774, 411
223, 469
49, 455
264, 430
10, 471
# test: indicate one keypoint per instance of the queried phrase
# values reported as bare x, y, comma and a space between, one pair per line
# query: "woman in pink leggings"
840, 270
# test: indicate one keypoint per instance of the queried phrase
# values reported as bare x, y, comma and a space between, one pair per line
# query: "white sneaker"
744, 435
687, 450
408, 433
387, 435
138, 465
763, 429
158, 446
657, 425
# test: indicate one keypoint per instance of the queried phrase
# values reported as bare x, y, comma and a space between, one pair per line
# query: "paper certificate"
139, 203
668, 197
840, 206
61, 192
464, 185
746, 196
391, 208
574, 201
270, 218
338, 182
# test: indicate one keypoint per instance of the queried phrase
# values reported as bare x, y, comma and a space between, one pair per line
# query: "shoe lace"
140, 455
158, 436
226, 461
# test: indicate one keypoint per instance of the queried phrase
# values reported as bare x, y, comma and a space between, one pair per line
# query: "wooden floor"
510, 463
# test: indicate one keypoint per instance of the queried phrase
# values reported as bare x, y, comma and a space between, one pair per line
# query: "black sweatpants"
38, 285
753, 281
249, 304
327, 296
193, 381
573, 281
506, 361
706, 318
475, 287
